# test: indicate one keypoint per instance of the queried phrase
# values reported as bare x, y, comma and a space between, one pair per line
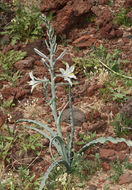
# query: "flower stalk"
56, 138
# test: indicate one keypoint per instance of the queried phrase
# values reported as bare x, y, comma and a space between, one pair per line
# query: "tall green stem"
72, 126
53, 107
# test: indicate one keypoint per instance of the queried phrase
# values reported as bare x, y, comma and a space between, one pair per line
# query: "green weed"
127, 165
111, 2
86, 138
119, 95
121, 124
25, 25
84, 168
118, 169
32, 143
121, 18
62, 40
4, 6
90, 64
21, 179
50, 16
7, 104
82, 171
7, 61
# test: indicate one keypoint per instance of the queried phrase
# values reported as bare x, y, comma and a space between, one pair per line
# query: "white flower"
68, 73
13, 20
58, 168
35, 81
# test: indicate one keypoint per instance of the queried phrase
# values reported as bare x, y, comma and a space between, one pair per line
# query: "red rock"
99, 22
108, 27
23, 80
38, 63
59, 94
8, 92
24, 64
104, 18
81, 7
58, 79
67, 13
80, 39
97, 44
102, 2
107, 153
92, 89
92, 187
121, 146
105, 166
125, 40
96, 10
119, 33
107, 15
125, 178
85, 125
121, 155
63, 22
128, 3
20, 93
38, 44
67, 58
99, 125
130, 57
112, 33
111, 145
1, 83
52, 4
84, 41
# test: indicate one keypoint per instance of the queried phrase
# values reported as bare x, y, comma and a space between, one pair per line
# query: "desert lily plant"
56, 139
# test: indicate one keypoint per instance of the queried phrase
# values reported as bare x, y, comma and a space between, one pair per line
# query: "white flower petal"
33, 86
72, 68
31, 75
31, 83
68, 73
62, 70
69, 80
35, 81
72, 76
67, 66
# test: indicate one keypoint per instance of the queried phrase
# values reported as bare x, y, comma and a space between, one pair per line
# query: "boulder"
67, 13
78, 115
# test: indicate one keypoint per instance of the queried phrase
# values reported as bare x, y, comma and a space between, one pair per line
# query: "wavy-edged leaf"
39, 124
40, 131
41, 54
103, 140
62, 145
52, 166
